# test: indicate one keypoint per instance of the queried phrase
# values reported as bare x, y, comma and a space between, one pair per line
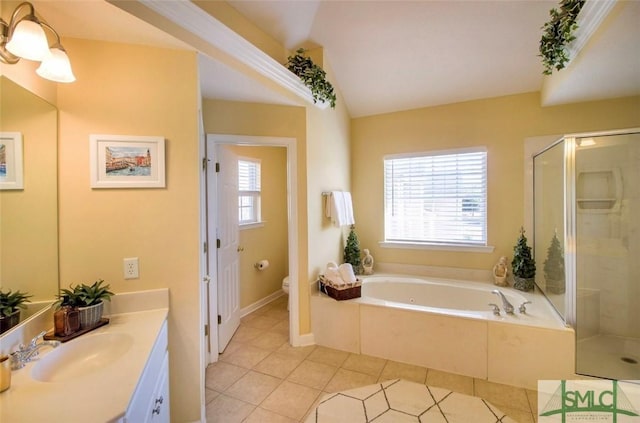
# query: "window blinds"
248, 191
436, 198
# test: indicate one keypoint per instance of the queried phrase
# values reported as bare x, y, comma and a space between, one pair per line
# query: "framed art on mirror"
11, 176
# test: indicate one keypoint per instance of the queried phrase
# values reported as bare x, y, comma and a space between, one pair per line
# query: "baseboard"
303, 340
261, 303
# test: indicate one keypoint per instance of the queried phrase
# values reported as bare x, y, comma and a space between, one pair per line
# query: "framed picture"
11, 173
126, 161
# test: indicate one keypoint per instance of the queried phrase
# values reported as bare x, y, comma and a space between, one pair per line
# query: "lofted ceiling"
395, 55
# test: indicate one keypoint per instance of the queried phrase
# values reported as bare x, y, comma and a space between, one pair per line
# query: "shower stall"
586, 220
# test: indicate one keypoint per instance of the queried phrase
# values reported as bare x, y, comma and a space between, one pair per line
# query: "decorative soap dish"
51, 335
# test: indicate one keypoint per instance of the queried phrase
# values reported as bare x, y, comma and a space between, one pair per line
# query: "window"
248, 191
436, 198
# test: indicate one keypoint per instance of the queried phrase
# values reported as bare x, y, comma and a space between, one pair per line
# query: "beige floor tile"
253, 387
246, 356
219, 376
296, 352
269, 341
499, 394
277, 313
532, 396
347, 379
312, 374
224, 409
260, 415
516, 415
312, 408
232, 346
291, 400
453, 382
246, 333
328, 356
210, 395
396, 370
282, 327
262, 322
278, 365
364, 364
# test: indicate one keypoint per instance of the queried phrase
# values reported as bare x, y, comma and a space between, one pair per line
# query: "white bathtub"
448, 325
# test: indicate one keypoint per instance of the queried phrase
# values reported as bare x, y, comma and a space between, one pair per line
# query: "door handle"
240, 249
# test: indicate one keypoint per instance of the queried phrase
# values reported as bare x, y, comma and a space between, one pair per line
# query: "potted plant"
352, 251
89, 299
523, 265
10, 305
557, 35
313, 76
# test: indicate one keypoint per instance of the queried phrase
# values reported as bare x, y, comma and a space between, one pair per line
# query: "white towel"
332, 274
339, 208
346, 273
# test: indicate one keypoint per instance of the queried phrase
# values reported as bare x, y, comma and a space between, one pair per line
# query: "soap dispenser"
66, 321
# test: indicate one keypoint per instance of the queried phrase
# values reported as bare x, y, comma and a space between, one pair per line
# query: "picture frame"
11, 161
127, 161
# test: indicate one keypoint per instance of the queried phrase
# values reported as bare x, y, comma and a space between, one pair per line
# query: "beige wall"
501, 124
28, 217
134, 90
268, 241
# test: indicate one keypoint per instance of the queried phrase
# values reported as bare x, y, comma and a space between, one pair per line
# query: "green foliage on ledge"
84, 295
557, 35
313, 76
12, 301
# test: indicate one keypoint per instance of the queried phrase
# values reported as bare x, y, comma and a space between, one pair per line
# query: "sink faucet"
27, 353
508, 307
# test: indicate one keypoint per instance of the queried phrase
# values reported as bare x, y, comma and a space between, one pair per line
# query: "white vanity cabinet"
150, 401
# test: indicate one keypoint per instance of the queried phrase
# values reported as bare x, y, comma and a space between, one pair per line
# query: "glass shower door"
607, 242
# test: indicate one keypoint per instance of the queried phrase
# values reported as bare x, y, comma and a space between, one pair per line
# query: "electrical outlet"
131, 268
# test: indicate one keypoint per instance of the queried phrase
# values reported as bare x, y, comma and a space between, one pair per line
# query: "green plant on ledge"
557, 35
313, 76
85, 295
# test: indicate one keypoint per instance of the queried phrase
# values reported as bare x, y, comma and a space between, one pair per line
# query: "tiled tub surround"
104, 394
516, 349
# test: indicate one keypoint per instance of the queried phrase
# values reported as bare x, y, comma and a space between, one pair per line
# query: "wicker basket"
340, 294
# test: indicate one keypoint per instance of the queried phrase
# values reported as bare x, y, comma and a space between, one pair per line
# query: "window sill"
252, 225
441, 247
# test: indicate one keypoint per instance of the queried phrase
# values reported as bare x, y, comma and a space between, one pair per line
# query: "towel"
346, 273
339, 208
332, 274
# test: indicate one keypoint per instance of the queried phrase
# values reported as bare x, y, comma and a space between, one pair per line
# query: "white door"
228, 239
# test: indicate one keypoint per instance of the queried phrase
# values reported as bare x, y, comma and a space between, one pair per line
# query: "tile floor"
261, 378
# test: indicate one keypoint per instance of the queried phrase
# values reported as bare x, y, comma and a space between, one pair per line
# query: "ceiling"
395, 55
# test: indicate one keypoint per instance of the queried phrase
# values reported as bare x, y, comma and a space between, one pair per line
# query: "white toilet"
285, 288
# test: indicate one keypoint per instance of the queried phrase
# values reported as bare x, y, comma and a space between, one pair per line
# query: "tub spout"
508, 307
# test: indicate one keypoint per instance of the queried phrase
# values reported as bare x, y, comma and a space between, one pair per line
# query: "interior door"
228, 241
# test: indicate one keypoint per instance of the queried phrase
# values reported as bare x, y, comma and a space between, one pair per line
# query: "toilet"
285, 288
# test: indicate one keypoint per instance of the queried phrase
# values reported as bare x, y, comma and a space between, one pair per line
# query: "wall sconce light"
25, 38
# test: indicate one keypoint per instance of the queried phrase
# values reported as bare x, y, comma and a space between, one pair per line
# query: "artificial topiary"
554, 267
352, 251
523, 265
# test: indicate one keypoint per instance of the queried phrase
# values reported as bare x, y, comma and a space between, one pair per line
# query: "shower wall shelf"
599, 191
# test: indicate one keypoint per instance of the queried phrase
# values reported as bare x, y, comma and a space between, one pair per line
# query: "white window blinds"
437, 198
248, 191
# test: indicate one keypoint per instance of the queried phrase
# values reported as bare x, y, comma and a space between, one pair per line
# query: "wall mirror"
29, 215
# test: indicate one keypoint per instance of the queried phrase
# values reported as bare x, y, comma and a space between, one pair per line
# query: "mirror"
548, 177
29, 216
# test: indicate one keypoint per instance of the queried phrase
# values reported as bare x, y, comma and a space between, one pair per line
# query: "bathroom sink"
81, 356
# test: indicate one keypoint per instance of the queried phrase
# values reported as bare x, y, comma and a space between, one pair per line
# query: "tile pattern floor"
261, 378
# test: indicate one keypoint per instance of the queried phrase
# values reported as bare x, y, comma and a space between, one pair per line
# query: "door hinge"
219, 319
217, 243
206, 330
204, 248
217, 167
204, 163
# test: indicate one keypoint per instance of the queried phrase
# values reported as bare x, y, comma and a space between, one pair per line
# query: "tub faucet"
508, 307
27, 353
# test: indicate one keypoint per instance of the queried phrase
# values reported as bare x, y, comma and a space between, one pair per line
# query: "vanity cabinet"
150, 401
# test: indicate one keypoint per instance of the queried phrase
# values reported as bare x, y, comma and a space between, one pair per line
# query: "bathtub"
447, 325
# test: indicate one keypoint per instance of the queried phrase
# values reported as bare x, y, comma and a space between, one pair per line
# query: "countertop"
100, 396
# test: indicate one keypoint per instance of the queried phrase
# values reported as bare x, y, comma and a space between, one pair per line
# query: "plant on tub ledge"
88, 299
313, 76
10, 305
523, 265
